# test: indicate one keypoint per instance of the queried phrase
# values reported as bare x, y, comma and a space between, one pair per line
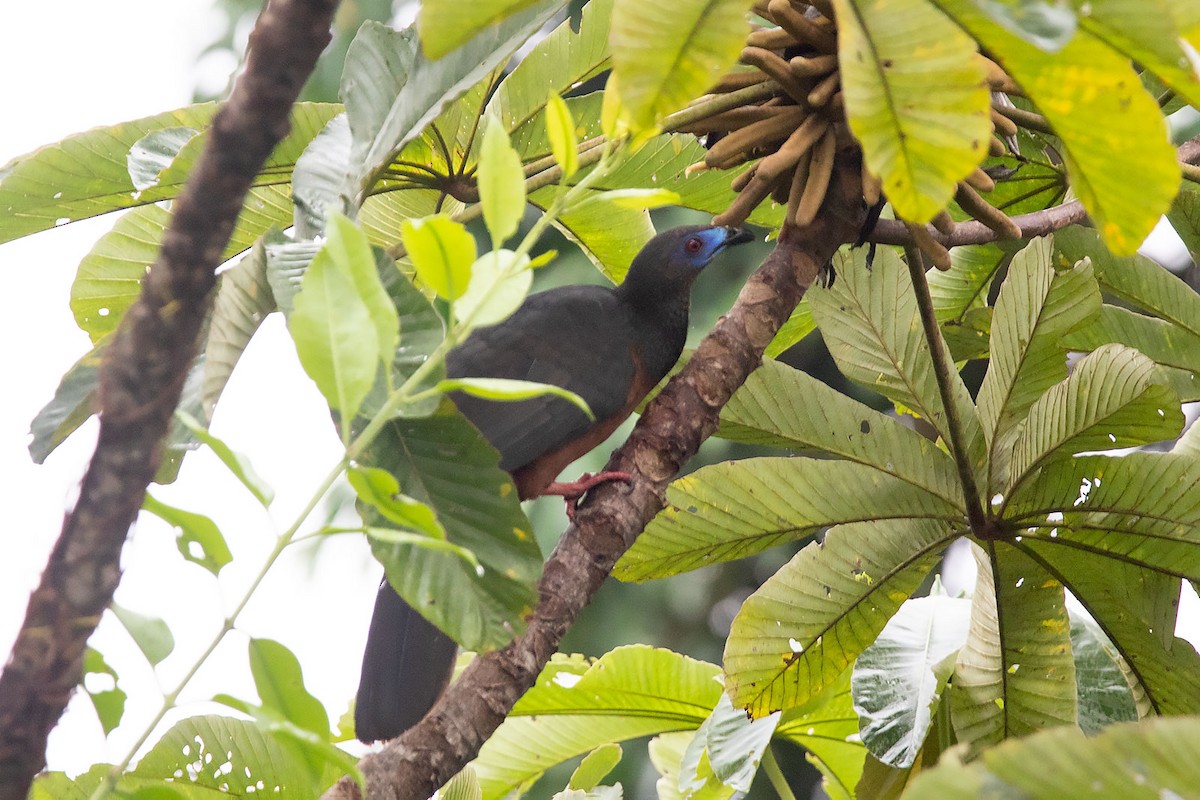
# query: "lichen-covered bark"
140, 385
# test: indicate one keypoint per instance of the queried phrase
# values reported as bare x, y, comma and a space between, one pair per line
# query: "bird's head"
670, 262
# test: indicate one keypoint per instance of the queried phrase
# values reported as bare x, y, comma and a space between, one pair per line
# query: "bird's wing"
576, 337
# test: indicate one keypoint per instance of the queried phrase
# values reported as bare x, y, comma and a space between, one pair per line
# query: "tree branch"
140, 384
1035, 223
668, 434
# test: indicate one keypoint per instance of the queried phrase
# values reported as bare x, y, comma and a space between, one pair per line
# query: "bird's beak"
734, 236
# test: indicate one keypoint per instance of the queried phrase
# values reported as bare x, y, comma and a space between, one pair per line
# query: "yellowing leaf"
916, 99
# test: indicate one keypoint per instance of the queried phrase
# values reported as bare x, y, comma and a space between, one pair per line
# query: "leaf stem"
942, 374
775, 775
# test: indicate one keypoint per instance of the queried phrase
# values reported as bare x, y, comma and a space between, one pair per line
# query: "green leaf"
199, 539
560, 129
1015, 674
1036, 307
337, 329
87, 174
1111, 400
463, 786
243, 300
1169, 345
380, 489
827, 727
1140, 508
192, 754
1102, 692
814, 616
154, 152
100, 683
900, 680
151, 635
576, 706
735, 743
501, 184
1149, 759
1134, 279
238, 464
73, 403
446, 24
559, 63
780, 406
499, 283
664, 55
442, 252
508, 389
1146, 32
734, 509
443, 462
352, 252
1091, 96
392, 91
595, 766
280, 686
667, 753
916, 99
1136, 608
870, 322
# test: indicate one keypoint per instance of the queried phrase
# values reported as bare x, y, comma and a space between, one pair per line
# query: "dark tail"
406, 666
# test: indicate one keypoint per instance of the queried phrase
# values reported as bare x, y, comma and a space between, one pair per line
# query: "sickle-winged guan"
609, 346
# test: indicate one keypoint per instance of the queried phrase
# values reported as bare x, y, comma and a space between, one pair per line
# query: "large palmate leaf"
1153, 759
871, 324
1110, 400
916, 99
577, 706
899, 681
1036, 307
1136, 609
1143, 508
813, 617
731, 510
784, 407
1016, 673
441, 461
109, 278
392, 91
1093, 99
88, 174
666, 54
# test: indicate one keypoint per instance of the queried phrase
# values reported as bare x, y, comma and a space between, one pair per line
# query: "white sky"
65, 67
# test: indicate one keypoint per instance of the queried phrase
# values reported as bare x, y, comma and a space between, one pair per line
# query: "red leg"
573, 491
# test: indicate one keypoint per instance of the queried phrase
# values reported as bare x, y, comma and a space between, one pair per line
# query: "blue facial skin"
712, 241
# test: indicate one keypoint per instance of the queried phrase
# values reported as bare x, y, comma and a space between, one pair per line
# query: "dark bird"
610, 347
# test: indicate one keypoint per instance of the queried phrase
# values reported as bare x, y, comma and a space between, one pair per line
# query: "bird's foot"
572, 492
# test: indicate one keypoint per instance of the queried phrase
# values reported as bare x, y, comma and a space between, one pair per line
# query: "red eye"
694, 245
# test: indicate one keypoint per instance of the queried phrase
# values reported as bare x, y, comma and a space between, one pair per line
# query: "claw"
573, 491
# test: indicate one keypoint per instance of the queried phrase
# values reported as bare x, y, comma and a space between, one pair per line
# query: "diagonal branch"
668, 434
140, 384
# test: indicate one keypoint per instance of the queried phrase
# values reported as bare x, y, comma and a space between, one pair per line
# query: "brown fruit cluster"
792, 126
